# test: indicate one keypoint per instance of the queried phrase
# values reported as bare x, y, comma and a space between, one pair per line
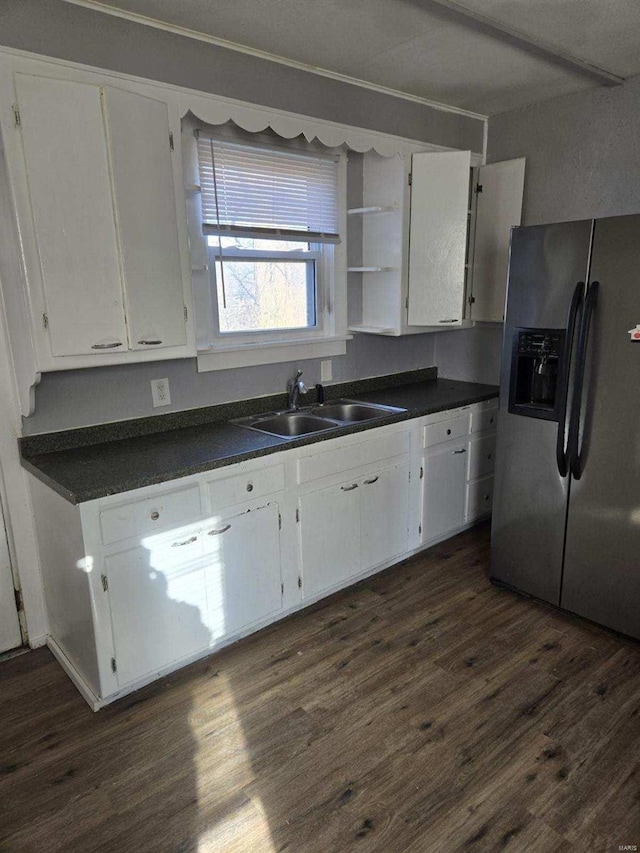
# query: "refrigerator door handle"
574, 448
573, 319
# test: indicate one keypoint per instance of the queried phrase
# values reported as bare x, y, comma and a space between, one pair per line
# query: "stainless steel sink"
348, 412
294, 424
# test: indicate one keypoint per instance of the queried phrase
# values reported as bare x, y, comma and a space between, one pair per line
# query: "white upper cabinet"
70, 193
438, 238
147, 223
498, 208
96, 199
434, 251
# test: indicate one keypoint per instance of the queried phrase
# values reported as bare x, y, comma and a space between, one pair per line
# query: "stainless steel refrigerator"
566, 512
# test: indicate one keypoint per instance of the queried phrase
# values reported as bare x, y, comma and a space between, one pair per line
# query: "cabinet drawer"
484, 419
446, 431
481, 456
352, 456
479, 497
244, 487
137, 518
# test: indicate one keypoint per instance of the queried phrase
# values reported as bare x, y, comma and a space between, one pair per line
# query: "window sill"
273, 352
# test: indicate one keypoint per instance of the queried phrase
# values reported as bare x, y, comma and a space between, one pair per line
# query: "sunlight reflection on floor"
230, 821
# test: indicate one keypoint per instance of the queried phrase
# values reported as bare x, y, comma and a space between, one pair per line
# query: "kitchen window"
271, 221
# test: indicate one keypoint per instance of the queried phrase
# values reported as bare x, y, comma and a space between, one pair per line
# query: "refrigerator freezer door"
530, 495
602, 561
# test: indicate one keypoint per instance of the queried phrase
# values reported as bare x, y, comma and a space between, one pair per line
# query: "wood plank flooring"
420, 711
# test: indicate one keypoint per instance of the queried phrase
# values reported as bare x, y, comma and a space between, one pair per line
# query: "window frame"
222, 350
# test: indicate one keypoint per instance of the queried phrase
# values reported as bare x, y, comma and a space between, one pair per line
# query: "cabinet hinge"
478, 188
171, 140
299, 582
421, 472
282, 589
16, 116
45, 321
297, 515
279, 522
17, 594
186, 313
113, 665
105, 582
410, 178
406, 302
420, 529
471, 300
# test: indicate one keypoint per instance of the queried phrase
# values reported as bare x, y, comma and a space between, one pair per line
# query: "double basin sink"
293, 424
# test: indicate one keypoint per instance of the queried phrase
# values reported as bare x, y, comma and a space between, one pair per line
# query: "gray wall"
582, 150
472, 355
52, 28
66, 31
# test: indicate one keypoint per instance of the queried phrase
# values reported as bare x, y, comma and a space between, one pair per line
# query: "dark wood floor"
422, 710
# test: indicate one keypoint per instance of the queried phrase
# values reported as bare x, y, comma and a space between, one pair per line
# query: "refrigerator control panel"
535, 367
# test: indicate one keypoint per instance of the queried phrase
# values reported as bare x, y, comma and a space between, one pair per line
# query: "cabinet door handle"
220, 530
449, 321
107, 346
371, 481
462, 450
188, 541
150, 343
349, 488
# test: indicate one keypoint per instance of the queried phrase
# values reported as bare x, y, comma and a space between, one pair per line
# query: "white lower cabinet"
329, 537
457, 468
242, 570
157, 597
444, 489
140, 583
384, 509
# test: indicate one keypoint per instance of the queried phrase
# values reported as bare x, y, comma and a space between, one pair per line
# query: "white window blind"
250, 191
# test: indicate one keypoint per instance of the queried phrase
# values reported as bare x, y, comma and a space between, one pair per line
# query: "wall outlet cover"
326, 370
160, 392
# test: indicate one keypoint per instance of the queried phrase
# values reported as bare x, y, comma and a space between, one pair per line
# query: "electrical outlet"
160, 392
326, 371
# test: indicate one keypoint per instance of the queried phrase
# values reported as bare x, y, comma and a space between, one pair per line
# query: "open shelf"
373, 330
371, 269
363, 211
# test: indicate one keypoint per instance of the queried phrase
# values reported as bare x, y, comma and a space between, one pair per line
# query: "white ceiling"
422, 49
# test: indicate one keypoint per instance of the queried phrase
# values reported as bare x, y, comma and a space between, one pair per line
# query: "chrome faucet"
295, 387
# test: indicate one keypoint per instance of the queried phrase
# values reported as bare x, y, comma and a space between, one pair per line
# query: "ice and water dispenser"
535, 368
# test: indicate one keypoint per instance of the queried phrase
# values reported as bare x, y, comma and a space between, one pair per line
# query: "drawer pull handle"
448, 321
448, 432
155, 515
490, 420
488, 456
220, 530
249, 487
371, 481
462, 450
107, 346
188, 541
349, 488
486, 497
152, 343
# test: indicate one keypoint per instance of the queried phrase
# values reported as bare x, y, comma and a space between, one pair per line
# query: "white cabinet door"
158, 599
445, 484
499, 208
329, 537
438, 238
384, 504
244, 578
138, 133
66, 156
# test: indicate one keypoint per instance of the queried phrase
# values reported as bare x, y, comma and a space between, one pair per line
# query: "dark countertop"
94, 470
